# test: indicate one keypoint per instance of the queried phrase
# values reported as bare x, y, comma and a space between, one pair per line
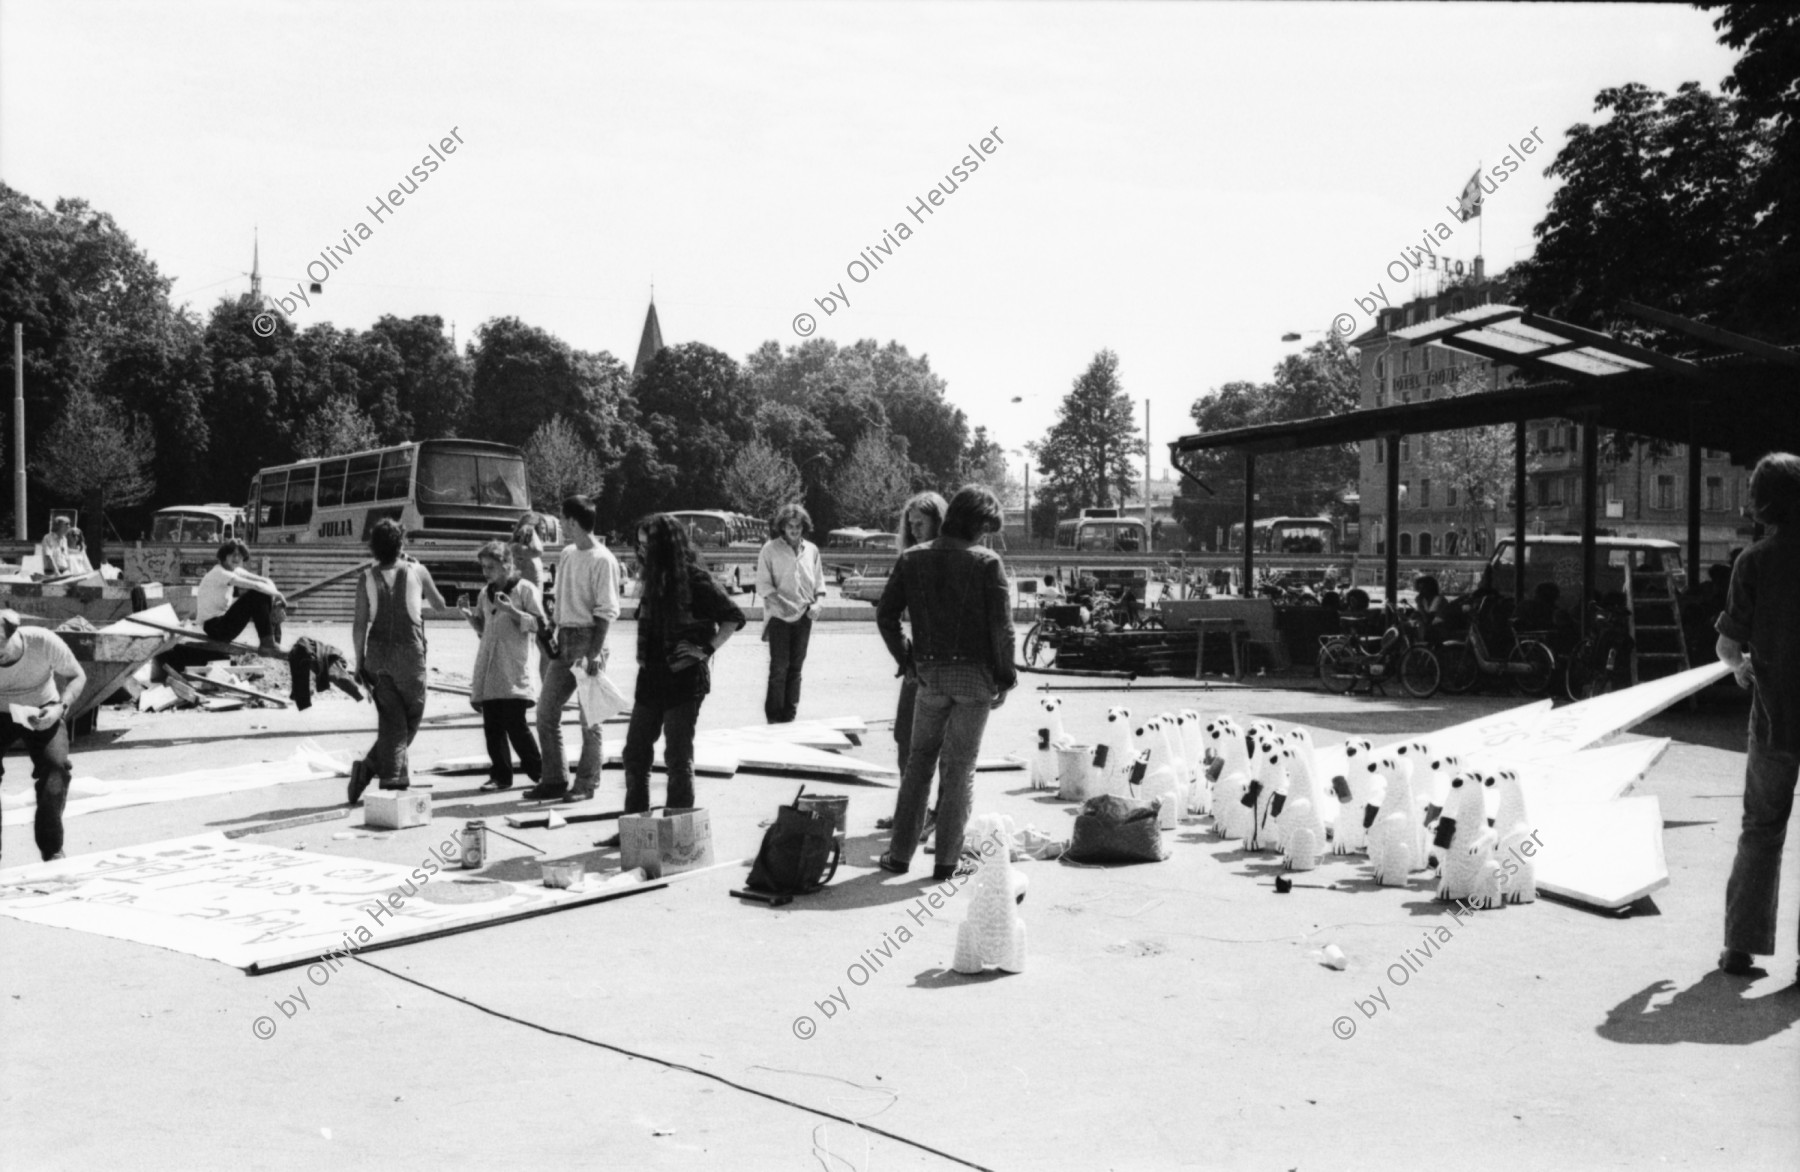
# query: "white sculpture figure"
1432, 780
1121, 752
1161, 780
1051, 737
1193, 746
994, 932
1230, 816
1301, 829
1394, 847
1466, 842
1355, 790
1515, 829
1306, 761
1171, 731
1268, 773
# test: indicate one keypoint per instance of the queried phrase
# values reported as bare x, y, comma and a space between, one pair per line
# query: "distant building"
1640, 496
649, 342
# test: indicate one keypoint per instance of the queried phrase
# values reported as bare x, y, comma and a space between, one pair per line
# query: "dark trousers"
787, 655
399, 706
903, 719
249, 609
675, 724
503, 721
49, 751
1750, 893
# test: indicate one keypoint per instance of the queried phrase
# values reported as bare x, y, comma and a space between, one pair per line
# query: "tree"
558, 465
1764, 290
873, 483
1087, 453
1657, 206
1475, 463
429, 395
93, 456
761, 480
694, 407
337, 428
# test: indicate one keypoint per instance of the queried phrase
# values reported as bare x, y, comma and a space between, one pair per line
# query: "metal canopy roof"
1743, 406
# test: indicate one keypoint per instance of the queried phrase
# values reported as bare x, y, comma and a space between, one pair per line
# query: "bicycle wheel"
1540, 664
1337, 668
1420, 672
1040, 651
1150, 622
1461, 671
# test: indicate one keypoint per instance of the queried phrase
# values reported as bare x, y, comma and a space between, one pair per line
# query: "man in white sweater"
587, 602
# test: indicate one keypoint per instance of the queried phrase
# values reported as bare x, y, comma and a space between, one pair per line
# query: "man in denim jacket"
957, 597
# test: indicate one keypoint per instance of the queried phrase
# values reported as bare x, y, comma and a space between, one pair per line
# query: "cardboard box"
666, 842
397, 809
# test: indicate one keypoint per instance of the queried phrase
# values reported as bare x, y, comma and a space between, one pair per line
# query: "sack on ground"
799, 853
599, 697
1112, 829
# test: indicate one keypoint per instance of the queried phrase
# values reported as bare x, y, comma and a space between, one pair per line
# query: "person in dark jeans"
389, 633
40, 673
960, 604
1762, 613
920, 521
683, 619
507, 614
231, 598
790, 579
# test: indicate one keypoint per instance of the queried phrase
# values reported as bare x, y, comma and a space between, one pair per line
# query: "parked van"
1557, 558
198, 524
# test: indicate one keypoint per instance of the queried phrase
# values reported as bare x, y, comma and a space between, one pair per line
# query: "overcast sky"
1182, 183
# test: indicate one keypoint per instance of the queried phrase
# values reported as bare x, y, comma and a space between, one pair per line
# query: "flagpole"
1480, 228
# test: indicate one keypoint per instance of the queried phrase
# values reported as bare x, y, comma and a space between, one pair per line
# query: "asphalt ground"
1171, 1015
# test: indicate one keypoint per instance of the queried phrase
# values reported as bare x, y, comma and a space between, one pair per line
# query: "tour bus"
198, 524
1290, 535
718, 529
456, 491
1102, 531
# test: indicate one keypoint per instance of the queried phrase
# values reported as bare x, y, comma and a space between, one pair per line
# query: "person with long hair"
956, 594
388, 632
683, 619
790, 579
1762, 617
920, 520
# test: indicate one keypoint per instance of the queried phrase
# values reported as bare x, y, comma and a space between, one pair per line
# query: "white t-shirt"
32, 680
215, 593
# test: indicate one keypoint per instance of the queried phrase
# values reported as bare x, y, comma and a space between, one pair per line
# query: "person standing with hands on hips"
587, 602
960, 603
40, 681
683, 619
1762, 610
790, 579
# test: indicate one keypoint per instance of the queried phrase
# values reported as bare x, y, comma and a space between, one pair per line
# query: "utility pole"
1028, 500
1149, 512
18, 432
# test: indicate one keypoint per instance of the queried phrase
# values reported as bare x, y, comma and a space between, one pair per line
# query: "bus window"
331, 483
448, 478
274, 488
359, 483
300, 497
503, 483
396, 475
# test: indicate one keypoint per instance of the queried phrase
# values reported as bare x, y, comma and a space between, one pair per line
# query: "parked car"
868, 585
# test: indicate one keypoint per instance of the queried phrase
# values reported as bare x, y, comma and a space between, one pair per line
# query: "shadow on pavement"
1714, 1010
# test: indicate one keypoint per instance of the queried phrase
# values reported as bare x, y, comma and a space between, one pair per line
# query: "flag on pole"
1468, 204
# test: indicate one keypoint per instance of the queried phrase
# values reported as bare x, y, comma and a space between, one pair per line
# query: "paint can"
474, 843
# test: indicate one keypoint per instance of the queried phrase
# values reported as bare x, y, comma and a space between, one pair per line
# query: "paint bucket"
833, 806
474, 843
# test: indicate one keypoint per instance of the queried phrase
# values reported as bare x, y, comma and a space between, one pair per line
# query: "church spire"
255, 268
651, 342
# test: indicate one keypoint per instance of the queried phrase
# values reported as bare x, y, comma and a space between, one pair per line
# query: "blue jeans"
1750, 894
49, 750
948, 720
787, 655
559, 685
676, 726
903, 721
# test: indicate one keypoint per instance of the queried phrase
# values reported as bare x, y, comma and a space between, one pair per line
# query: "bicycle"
1601, 662
1349, 657
1529, 664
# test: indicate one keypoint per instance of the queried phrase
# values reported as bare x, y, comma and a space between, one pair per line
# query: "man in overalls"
389, 635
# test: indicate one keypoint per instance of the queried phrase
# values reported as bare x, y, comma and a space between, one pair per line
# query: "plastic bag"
599, 697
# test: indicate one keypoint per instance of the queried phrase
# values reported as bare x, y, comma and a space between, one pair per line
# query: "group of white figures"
1408, 807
